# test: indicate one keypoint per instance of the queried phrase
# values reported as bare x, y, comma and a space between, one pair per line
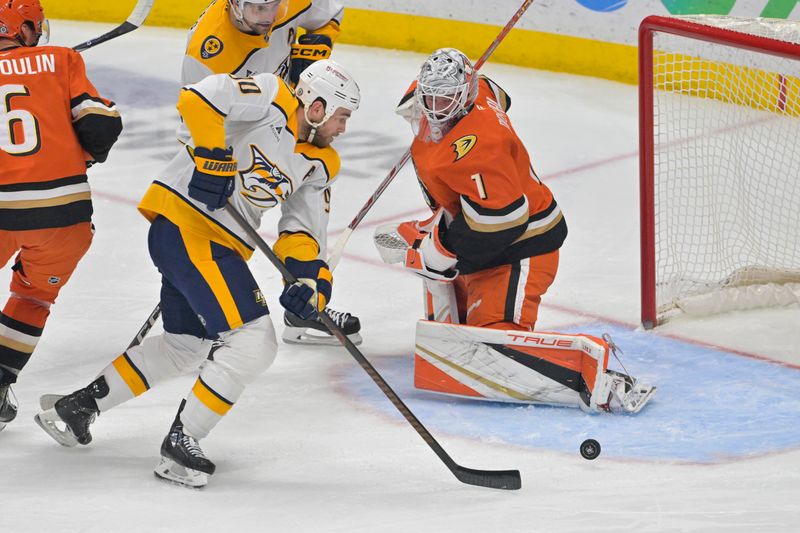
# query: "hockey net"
720, 164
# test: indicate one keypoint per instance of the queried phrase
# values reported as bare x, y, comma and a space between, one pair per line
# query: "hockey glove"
212, 181
418, 245
312, 291
310, 47
427, 256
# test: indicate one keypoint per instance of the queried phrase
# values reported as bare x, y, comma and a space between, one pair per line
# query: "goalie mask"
15, 13
257, 17
446, 88
327, 81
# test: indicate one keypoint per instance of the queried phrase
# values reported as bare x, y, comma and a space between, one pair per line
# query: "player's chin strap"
313, 126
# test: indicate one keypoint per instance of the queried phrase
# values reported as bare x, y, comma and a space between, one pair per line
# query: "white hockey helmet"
328, 81
447, 86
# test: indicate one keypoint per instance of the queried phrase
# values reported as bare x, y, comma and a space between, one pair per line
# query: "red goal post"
719, 101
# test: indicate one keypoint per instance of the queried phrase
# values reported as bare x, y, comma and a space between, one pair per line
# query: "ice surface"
313, 446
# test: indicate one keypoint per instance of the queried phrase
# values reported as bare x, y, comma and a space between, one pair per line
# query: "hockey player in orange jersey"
488, 254
53, 124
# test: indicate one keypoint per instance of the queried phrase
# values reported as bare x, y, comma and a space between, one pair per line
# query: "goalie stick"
137, 17
494, 479
335, 254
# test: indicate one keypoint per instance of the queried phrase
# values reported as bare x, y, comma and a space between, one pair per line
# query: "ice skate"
313, 331
69, 419
182, 460
629, 395
8, 405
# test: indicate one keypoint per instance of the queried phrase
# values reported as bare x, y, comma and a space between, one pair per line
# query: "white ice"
313, 446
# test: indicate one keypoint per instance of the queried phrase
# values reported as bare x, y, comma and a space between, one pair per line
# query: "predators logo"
211, 47
463, 145
263, 184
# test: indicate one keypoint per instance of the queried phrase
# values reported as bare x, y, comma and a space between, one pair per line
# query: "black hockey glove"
310, 47
212, 181
312, 292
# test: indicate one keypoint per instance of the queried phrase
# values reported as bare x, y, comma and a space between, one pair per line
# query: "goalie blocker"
524, 367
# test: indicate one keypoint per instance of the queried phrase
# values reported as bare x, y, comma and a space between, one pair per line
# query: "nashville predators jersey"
216, 46
52, 121
498, 211
256, 117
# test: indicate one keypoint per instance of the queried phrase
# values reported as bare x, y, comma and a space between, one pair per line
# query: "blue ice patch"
711, 406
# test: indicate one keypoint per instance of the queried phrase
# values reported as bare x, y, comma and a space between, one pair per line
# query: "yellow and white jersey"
257, 117
215, 46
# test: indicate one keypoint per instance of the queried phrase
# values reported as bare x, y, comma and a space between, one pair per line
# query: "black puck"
590, 449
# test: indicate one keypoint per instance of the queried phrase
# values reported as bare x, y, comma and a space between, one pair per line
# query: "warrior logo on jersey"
463, 145
264, 184
211, 46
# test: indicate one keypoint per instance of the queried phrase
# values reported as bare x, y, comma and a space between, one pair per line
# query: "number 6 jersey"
52, 121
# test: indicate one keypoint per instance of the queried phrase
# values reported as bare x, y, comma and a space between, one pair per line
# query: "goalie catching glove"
310, 47
212, 180
312, 291
418, 246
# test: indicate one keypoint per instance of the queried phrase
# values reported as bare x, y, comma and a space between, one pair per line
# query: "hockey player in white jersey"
208, 293
247, 37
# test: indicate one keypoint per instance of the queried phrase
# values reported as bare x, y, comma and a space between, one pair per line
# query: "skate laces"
339, 317
191, 445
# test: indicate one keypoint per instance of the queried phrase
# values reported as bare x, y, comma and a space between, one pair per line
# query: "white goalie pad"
523, 367
440, 301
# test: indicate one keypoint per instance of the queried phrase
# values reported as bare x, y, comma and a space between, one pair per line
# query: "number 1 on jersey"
478, 179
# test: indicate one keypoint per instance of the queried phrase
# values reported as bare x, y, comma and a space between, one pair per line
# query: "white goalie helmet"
447, 86
329, 81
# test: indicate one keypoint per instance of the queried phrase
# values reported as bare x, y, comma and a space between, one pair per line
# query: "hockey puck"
590, 449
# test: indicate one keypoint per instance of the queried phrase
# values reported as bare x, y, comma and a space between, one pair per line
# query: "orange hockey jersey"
499, 212
52, 121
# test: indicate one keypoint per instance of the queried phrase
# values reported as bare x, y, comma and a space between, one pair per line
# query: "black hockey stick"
146, 327
47, 401
494, 479
136, 19
337, 249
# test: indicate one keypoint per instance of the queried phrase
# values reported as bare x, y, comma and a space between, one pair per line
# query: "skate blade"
48, 401
3, 426
292, 335
48, 420
169, 470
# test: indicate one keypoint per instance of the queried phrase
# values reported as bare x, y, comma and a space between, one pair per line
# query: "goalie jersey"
215, 46
497, 210
257, 117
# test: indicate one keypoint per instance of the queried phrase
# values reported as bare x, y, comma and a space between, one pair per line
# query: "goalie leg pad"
526, 367
440, 301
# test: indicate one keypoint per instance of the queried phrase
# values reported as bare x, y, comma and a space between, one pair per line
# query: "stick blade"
493, 479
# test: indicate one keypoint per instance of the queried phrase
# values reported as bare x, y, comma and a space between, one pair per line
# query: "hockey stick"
495, 479
335, 254
146, 327
137, 17
47, 401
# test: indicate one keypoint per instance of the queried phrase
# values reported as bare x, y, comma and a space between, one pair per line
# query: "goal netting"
720, 164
